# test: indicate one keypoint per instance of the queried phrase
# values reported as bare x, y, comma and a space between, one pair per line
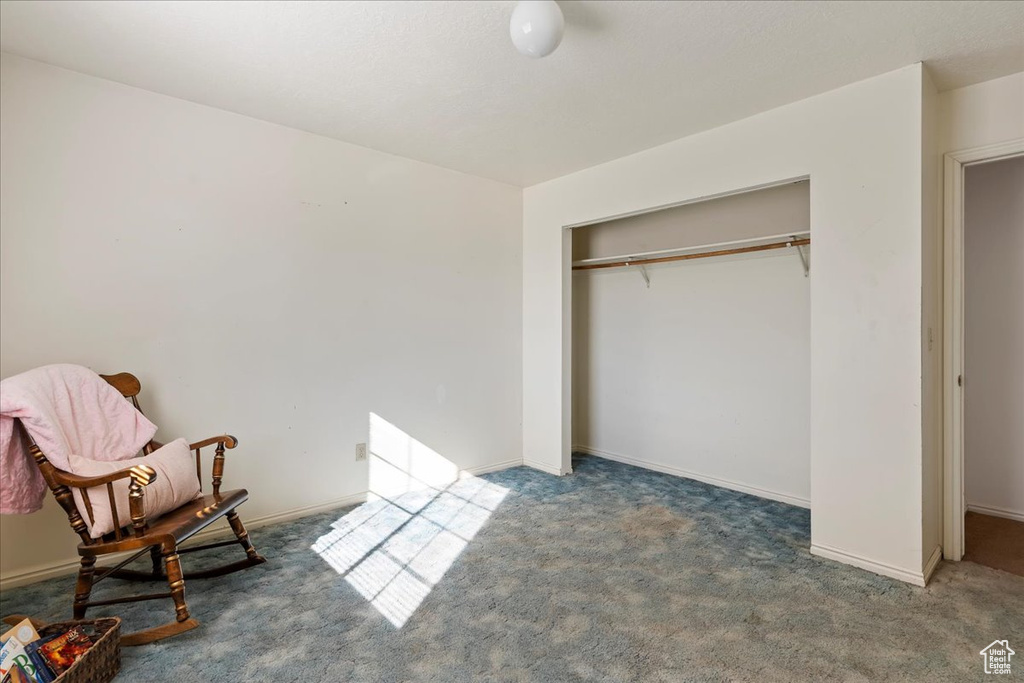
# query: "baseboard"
487, 469
543, 467
41, 572
932, 563
714, 481
997, 512
891, 571
221, 529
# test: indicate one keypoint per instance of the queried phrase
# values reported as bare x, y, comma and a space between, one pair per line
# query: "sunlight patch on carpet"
421, 513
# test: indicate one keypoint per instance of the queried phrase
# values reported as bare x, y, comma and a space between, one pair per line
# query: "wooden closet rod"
704, 254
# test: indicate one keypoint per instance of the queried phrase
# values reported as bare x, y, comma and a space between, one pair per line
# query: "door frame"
954, 164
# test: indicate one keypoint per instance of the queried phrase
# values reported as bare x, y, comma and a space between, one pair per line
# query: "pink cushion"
176, 484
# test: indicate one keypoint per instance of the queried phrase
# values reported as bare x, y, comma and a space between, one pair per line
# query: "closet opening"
691, 341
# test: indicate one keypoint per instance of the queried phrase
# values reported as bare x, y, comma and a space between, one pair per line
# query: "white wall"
862, 146
994, 337
982, 114
259, 280
706, 374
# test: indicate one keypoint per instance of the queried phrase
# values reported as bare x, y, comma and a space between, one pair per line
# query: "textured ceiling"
441, 82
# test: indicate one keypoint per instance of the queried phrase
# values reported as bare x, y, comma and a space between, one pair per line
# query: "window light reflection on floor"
420, 514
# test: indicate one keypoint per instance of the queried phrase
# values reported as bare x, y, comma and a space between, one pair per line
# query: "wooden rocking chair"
160, 537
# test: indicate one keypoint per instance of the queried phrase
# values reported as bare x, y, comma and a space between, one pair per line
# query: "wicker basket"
102, 661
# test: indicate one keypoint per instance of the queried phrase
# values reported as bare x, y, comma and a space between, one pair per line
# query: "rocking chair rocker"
160, 537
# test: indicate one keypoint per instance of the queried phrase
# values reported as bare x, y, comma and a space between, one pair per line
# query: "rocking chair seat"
181, 523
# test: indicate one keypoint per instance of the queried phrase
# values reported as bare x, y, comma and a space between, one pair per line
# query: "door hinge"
959, 380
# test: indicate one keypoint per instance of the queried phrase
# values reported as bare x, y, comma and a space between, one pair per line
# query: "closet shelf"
704, 251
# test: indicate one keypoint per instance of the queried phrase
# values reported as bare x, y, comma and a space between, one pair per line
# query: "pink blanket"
65, 409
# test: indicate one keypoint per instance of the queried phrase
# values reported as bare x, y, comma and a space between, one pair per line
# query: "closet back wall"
706, 374
259, 280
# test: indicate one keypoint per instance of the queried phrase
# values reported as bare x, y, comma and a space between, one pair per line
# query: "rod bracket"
643, 272
800, 252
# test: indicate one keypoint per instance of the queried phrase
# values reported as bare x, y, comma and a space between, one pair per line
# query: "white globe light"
537, 27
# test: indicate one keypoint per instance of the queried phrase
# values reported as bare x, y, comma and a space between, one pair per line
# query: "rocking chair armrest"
140, 475
143, 475
226, 439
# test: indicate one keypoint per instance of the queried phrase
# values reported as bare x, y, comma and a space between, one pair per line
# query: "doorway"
984, 357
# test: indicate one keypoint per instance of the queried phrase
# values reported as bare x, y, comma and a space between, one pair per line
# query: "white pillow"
176, 484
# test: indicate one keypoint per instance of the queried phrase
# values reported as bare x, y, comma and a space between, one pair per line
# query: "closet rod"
704, 254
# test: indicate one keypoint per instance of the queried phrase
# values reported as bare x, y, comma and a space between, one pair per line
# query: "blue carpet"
613, 573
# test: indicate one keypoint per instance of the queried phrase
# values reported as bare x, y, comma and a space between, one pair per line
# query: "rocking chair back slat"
113, 509
199, 468
88, 506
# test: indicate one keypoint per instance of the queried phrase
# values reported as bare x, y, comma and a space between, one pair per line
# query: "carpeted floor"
611, 574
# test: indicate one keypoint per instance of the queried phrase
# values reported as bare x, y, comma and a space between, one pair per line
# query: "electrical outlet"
360, 451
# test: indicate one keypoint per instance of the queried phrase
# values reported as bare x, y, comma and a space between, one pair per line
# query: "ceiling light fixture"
537, 27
